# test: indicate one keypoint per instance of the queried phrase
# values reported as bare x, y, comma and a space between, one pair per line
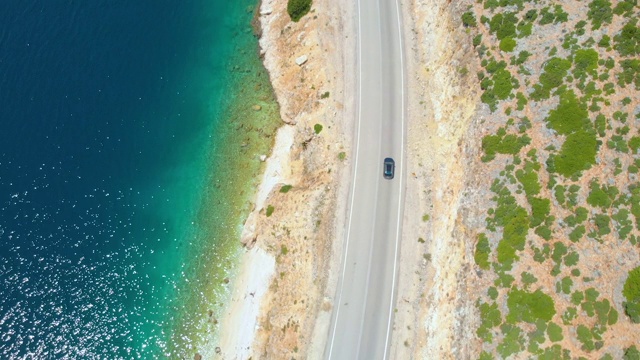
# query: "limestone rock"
301, 60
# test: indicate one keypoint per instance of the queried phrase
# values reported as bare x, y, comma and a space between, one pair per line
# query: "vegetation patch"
554, 72
298, 8
507, 44
627, 42
631, 292
529, 307
482, 253
599, 12
503, 143
578, 153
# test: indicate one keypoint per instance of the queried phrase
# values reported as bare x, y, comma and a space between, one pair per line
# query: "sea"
130, 142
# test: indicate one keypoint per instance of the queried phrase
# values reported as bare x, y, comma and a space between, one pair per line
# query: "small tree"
298, 8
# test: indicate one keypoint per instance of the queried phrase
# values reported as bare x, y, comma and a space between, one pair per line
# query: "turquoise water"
128, 156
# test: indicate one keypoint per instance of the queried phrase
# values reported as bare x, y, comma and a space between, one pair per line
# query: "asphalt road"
362, 316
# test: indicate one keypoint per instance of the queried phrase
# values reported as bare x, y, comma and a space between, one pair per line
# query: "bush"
317, 128
529, 307
270, 209
285, 188
555, 332
504, 25
554, 72
469, 20
631, 353
483, 250
298, 8
631, 292
507, 44
503, 144
628, 40
599, 12
578, 153
585, 62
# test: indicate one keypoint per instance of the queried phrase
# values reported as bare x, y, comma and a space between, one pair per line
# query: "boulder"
301, 60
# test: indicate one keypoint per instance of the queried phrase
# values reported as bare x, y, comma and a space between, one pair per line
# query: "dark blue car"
389, 168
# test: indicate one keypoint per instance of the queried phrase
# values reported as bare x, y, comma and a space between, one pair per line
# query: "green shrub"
602, 223
564, 285
490, 317
631, 292
577, 233
270, 209
298, 8
627, 42
585, 63
342, 156
507, 44
568, 315
570, 116
503, 143
577, 297
317, 128
325, 95
469, 19
540, 208
528, 279
483, 251
599, 12
477, 40
529, 307
630, 73
513, 341
554, 332
544, 232
586, 338
599, 197
503, 25
285, 188
555, 70
631, 353
578, 153
625, 7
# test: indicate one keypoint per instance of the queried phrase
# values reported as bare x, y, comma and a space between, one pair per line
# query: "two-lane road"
362, 316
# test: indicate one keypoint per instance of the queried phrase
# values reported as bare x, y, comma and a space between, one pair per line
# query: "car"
389, 168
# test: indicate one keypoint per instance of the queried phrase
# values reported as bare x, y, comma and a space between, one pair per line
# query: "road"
362, 318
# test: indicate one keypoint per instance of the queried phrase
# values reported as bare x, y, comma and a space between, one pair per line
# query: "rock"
267, 11
263, 158
197, 357
256, 107
218, 350
301, 60
226, 280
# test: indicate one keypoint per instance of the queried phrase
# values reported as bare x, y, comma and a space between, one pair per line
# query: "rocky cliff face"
299, 211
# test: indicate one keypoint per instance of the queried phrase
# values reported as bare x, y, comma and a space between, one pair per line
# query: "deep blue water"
107, 112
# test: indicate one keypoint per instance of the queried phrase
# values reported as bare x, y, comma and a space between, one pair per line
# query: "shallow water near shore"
129, 153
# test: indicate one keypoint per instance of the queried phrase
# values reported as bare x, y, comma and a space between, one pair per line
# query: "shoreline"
290, 253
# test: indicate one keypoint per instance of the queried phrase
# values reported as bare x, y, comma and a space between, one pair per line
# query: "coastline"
285, 278
302, 330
